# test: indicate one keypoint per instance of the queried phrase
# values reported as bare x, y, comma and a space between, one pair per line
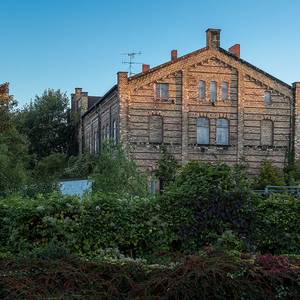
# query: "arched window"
155, 129
225, 90
266, 133
268, 98
203, 131
222, 134
213, 91
202, 89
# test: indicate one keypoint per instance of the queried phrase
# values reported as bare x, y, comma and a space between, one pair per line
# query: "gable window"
222, 134
225, 89
162, 91
266, 133
203, 131
268, 98
202, 89
213, 91
156, 129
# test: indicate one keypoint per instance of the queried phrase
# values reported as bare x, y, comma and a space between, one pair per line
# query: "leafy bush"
116, 173
130, 224
167, 168
277, 228
31, 223
269, 175
205, 201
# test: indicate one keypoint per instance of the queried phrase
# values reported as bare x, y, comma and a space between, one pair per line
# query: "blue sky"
63, 44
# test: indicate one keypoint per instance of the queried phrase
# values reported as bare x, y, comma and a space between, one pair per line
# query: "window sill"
165, 100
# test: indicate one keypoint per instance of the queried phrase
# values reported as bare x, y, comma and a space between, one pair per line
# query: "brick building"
208, 105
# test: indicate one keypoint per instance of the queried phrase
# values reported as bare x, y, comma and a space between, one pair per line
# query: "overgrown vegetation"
205, 227
209, 276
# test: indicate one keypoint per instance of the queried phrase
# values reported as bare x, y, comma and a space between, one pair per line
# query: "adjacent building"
208, 105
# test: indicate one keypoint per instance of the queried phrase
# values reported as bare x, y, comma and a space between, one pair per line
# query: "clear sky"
63, 44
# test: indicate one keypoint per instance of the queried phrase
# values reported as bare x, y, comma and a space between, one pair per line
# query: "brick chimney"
235, 50
79, 101
213, 38
173, 55
296, 90
145, 68
78, 91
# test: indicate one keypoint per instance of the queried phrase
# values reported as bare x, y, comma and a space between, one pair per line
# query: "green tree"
49, 124
116, 173
13, 151
167, 168
269, 175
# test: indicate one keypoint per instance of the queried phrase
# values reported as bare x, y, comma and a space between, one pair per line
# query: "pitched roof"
100, 99
242, 61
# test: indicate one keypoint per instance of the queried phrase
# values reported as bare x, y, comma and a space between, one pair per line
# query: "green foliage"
167, 168
292, 172
206, 205
204, 201
277, 228
48, 124
13, 151
81, 166
269, 175
13, 156
50, 168
130, 224
116, 173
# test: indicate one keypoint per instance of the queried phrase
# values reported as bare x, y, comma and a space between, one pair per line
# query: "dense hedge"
194, 277
206, 205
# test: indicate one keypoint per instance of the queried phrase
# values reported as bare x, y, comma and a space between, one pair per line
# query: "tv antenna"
131, 62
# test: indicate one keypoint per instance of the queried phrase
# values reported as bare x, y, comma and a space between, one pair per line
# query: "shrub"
195, 277
130, 224
167, 168
277, 228
116, 173
205, 201
30, 223
269, 175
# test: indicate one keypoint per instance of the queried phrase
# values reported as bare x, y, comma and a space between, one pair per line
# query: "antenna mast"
131, 61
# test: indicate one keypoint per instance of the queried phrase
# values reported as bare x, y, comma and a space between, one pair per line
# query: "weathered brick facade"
208, 105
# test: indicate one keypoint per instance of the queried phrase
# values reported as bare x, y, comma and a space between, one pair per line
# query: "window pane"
202, 89
114, 130
222, 135
268, 98
203, 131
213, 91
224, 90
266, 135
162, 91
155, 129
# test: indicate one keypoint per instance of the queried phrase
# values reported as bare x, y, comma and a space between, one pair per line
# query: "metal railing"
270, 189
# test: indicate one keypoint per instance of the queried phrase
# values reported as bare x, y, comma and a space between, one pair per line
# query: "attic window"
268, 98
202, 89
213, 91
162, 91
225, 88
